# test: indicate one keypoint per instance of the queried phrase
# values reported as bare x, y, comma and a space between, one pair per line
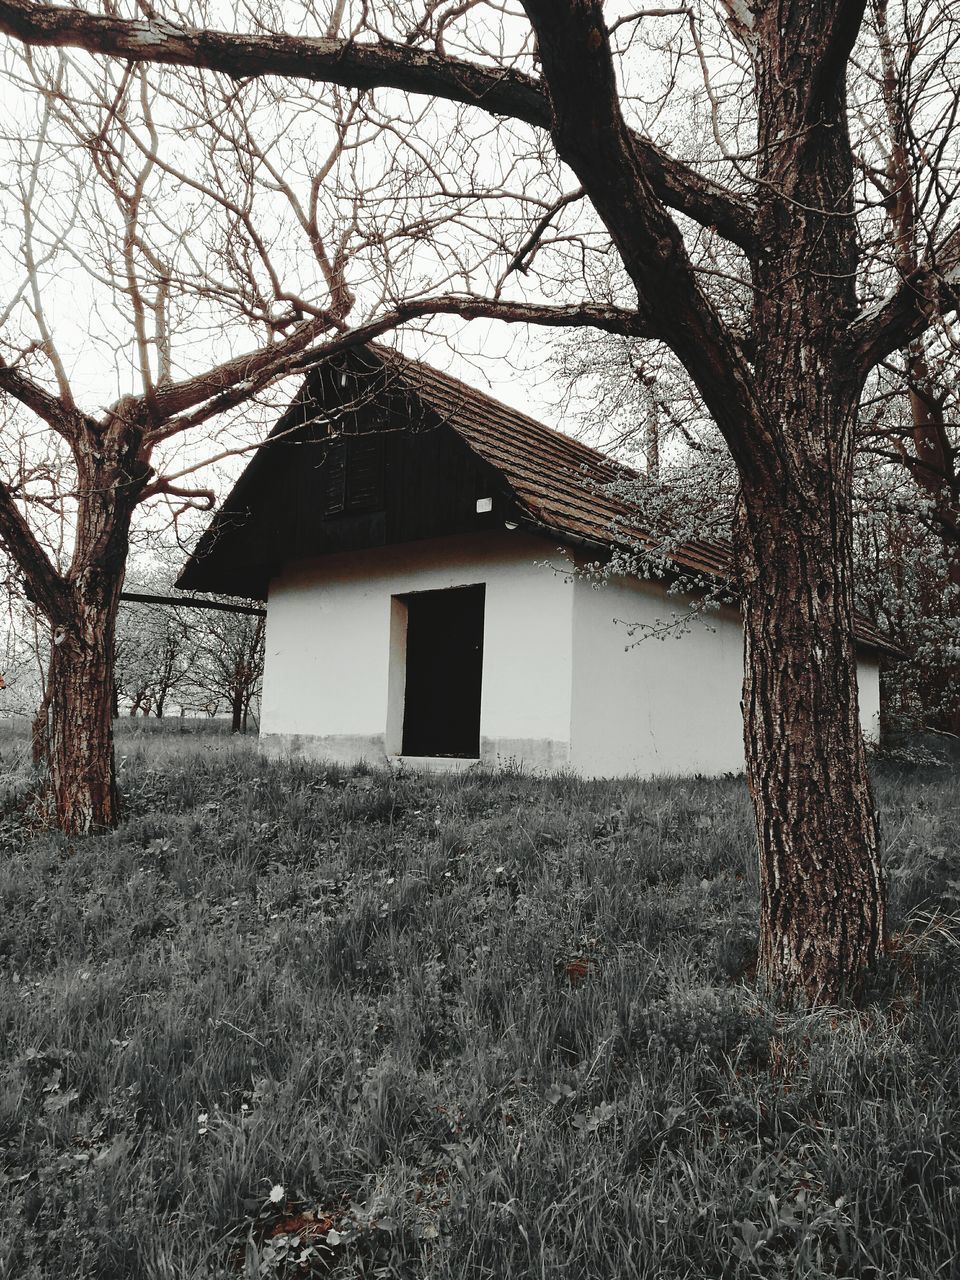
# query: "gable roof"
557, 483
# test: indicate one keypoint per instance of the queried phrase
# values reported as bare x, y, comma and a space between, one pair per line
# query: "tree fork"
822, 913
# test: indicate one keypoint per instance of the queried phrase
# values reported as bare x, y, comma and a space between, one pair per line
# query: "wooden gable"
355, 462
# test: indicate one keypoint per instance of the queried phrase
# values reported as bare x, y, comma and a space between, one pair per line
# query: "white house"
416, 543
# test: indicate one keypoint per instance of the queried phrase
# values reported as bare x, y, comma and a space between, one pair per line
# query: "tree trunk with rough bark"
82, 778
821, 886
788, 417
40, 732
82, 775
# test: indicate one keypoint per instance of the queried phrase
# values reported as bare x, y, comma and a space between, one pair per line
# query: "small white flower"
276, 1193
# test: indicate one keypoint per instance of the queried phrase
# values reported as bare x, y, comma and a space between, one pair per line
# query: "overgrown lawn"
295, 1021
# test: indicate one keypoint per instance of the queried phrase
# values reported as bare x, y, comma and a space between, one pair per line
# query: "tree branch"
237, 380
65, 419
591, 136
200, 499
42, 583
907, 312
524, 256
503, 92
830, 69
242, 373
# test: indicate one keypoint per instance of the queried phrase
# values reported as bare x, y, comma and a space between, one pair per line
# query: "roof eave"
607, 546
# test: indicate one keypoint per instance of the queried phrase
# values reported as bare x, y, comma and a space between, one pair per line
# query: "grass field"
290, 1021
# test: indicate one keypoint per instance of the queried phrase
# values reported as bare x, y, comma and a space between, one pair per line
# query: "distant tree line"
170, 660
198, 661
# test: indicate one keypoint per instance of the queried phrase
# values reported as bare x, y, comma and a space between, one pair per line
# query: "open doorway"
443, 672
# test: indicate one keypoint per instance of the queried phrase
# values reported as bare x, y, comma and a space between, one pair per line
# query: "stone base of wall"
533, 755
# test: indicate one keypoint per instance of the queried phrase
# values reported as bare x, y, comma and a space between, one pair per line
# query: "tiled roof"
557, 480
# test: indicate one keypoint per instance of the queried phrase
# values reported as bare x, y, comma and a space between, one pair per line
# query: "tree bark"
82, 776
40, 732
933, 465
821, 886
788, 419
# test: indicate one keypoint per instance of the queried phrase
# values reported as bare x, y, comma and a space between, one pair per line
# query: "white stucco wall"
868, 687
328, 647
663, 706
563, 683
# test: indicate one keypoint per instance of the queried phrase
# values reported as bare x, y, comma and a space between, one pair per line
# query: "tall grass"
477, 1026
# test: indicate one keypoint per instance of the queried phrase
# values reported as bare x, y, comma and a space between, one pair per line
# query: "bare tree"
22, 655
907, 487
779, 354
910, 418
195, 656
914, 89
187, 215
155, 653
229, 662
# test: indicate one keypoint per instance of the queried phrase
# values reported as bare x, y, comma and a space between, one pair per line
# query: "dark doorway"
441, 705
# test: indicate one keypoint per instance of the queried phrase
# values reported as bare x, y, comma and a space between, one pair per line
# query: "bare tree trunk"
40, 731
237, 708
82, 777
821, 885
82, 774
935, 473
651, 431
934, 464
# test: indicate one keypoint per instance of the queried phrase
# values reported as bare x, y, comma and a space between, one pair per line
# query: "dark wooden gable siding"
352, 464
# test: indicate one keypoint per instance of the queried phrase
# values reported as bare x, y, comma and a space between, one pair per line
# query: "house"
417, 544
